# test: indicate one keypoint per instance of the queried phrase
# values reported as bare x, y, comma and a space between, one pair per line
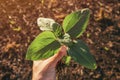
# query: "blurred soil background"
18, 28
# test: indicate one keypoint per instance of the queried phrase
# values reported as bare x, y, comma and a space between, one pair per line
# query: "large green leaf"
81, 54
44, 46
76, 22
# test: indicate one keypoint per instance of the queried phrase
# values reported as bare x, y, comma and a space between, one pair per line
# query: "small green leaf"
81, 54
76, 22
44, 46
68, 59
57, 29
65, 40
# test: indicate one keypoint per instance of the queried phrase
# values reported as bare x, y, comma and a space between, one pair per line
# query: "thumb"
60, 54
57, 57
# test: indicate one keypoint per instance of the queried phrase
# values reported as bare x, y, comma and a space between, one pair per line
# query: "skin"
45, 69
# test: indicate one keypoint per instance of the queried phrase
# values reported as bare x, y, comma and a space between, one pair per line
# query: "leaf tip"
27, 57
86, 10
94, 66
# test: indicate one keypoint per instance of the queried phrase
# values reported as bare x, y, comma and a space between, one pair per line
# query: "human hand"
45, 69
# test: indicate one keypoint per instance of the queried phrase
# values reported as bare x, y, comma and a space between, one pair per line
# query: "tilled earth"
18, 28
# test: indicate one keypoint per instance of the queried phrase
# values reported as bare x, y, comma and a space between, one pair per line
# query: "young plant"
47, 43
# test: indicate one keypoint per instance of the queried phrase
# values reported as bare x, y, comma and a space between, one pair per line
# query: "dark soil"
18, 28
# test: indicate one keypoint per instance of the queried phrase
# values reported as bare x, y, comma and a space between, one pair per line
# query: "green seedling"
48, 43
